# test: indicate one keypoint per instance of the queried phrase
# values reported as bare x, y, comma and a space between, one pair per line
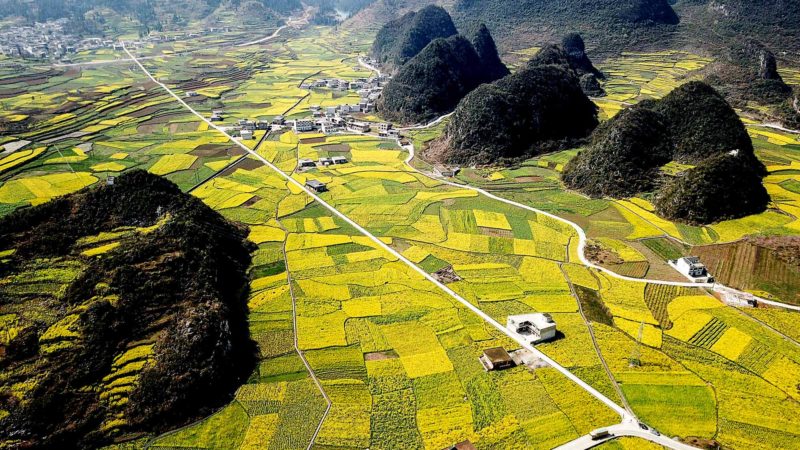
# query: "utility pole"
636, 356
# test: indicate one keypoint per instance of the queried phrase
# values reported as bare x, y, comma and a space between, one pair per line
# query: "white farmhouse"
693, 269
533, 328
301, 125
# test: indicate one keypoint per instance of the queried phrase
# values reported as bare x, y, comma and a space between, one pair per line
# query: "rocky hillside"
748, 72
435, 80
692, 125
537, 109
489, 59
400, 40
579, 61
124, 311
775, 23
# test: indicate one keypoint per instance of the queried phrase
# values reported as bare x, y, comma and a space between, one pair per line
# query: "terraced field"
358, 350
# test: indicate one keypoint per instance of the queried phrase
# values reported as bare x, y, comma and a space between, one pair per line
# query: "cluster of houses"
46, 40
160, 38
327, 119
305, 163
50, 40
331, 120
368, 89
337, 119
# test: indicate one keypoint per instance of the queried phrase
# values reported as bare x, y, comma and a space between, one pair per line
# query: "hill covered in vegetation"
693, 125
571, 53
435, 80
773, 22
702, 124
748, 72
400, 40
723, 187
124, 311
536, 109
609, 25
624, 156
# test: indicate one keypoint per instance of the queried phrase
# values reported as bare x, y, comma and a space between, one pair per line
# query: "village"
51, 40
343, 118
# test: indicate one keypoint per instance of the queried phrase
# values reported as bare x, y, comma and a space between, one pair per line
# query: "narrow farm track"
297, 347
626, 417
596, 346
289, 23
582, 239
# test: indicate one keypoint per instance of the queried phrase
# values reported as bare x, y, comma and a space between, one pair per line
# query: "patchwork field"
357, 350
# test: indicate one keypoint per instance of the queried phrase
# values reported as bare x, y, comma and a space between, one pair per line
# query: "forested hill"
606, 24
132, 319
692, 125
434, 81
537, 109
402, 39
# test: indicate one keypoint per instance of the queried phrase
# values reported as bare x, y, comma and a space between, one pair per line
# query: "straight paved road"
592, 391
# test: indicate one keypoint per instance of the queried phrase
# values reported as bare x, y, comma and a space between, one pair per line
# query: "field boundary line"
295, 340
597, 350
592, 391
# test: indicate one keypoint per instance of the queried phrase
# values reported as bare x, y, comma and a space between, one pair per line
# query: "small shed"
306, 163
247, 134
445, 171
496, 358
316, 186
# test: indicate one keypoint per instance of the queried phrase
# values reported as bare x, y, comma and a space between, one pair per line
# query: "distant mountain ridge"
86, 18
776, 23
608, 24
